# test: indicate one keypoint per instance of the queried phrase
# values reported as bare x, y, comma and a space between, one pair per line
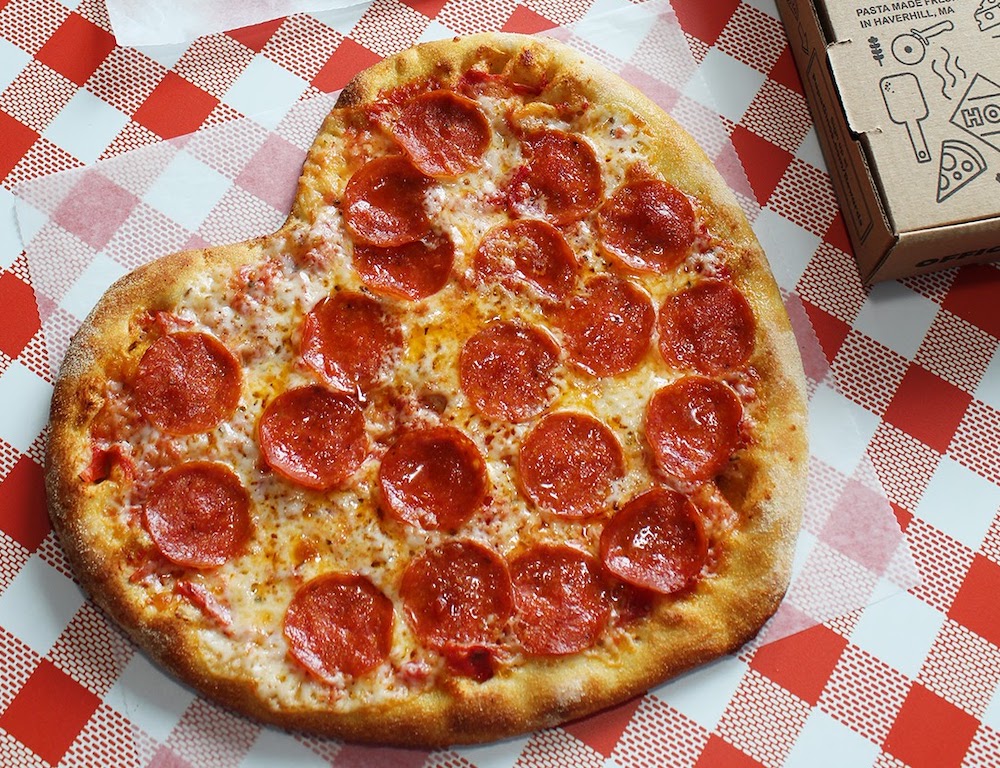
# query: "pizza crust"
766, 482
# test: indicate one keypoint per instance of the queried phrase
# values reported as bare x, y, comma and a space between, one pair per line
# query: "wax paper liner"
142, 23
84, 228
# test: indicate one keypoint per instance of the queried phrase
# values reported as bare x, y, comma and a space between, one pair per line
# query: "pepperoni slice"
384, 202
630, 603
339, 624
656, 542
609, 327
350, 340
648, 225
444, 134
529, 251
433, 478
313, 437
198, 514
561, 180
707, 328
104, 458
560, 600
410, 271
568, 462
457, 594
205, 601
693, 427
186, 383
506, 370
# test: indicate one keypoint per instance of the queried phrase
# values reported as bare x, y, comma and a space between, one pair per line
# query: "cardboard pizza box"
905, 96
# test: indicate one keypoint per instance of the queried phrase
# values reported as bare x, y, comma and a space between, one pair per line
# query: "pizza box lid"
906, 100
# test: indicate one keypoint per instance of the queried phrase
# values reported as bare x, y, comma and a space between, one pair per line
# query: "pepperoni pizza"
505, 425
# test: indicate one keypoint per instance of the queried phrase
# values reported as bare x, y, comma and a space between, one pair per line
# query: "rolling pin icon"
907, 106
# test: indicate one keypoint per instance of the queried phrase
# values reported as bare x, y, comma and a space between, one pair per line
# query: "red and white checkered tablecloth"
904, 384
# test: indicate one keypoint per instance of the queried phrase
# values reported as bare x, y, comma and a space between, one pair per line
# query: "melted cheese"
299, 534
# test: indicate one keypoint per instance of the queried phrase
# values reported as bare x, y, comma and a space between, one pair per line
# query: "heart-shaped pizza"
505, 424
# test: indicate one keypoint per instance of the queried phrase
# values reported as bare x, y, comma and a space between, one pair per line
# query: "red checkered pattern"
76, 49
975, 438
925, 396
30, 719
930, 731
37, 95
22, 504
175, 107
658, 734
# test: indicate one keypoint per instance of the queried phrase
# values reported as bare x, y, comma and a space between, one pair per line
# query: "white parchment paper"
165, 22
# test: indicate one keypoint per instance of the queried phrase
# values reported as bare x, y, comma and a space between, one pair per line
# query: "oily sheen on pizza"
504, 426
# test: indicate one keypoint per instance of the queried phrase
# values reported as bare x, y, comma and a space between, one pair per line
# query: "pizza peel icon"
907, 106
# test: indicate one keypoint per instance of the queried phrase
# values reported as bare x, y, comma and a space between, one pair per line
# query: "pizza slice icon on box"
960, 164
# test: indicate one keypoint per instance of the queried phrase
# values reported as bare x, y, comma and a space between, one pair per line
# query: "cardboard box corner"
919, 187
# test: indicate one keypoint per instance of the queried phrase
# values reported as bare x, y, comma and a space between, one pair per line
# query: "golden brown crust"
94, 356
766, 483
